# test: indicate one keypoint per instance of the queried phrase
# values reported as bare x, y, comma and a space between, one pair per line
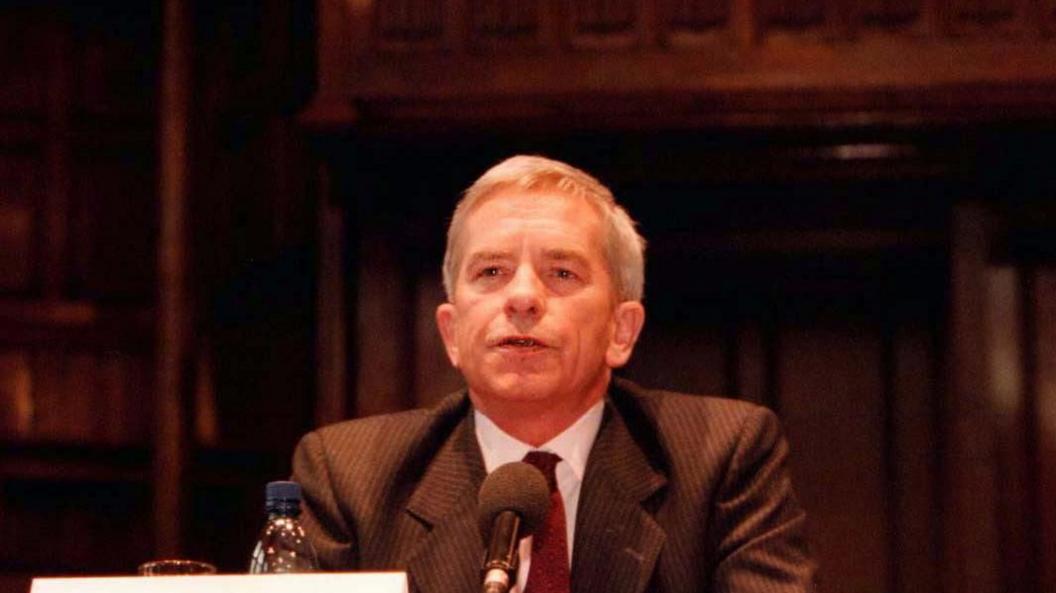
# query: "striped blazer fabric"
681, 493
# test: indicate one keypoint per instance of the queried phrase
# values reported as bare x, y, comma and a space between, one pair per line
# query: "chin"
521, 388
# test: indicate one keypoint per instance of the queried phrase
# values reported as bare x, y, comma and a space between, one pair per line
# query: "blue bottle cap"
283, 490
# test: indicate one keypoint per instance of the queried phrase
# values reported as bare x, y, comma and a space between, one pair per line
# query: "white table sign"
318, 582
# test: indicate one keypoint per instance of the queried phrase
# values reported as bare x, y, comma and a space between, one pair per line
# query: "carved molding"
890, 12
505, 20
985, 11
793, 13
604, 17
736, 60
697, 16
409, 22
19, 175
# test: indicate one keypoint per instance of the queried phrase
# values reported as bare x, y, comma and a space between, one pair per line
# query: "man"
652, 490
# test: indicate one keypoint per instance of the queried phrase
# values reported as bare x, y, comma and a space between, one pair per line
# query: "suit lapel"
617, 540
445, 502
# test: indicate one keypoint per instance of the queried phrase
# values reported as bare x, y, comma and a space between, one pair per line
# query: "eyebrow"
565, 255
486, 256
555, 254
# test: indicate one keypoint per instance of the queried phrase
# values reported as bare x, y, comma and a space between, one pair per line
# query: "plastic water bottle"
282, 545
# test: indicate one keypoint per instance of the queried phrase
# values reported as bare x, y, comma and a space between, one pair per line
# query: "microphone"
513, 500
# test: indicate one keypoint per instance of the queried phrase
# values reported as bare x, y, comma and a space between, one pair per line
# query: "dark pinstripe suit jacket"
681, 493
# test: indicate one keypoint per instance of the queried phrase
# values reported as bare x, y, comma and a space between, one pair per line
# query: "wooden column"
57, 159
174, 309
745, 28
384, 352
332, 403
1043, 310
971, 540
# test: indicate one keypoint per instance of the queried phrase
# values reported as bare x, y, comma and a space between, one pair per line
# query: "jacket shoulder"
387, 437
686, 428
674, 408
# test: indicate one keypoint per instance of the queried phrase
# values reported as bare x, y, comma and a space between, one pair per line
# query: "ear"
446, 322
628, 320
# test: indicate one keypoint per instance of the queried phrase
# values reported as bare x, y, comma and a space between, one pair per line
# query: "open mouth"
520, 342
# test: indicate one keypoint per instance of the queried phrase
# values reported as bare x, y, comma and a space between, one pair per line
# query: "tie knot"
544, 462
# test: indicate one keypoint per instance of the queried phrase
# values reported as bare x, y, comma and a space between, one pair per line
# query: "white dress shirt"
572, 446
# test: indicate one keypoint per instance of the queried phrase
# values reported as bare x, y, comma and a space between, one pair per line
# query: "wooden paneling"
114, 187
605, 23
410, 23
1043, 305
434, 377
710, 62
793, 13
890, 12
22, 90
46, 529
971, 543
16, 395
982, 12
697, 15
832, 399
331, 350
1008, 400
89, 397
383, 327
686, 355
914, 490
20, 192
505, 21
115, 77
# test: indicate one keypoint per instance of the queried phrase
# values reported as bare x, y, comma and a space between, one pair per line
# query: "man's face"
535, 319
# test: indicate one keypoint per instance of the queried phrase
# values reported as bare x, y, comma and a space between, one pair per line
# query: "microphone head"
516, 487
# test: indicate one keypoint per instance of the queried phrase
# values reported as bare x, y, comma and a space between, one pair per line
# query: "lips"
518, 342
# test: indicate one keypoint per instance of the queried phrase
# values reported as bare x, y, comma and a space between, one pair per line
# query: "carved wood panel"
16, 398
20, 187
697, 15
21, 44
74, 396
890, 12
718, 62
114, 76
402, 23
89, 524
831, 398
604, 17
604, 23
505, 20
793, 13
113, 188
1043, 304
984, 11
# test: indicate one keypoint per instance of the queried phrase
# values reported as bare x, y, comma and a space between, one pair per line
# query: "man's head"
624, 247
543, 273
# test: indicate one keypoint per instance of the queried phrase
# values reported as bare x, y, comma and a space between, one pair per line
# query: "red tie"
549, 568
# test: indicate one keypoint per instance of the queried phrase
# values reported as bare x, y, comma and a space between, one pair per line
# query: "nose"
525, 295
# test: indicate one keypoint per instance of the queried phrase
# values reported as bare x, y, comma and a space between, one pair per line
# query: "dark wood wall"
81, 207
847, 204
77, 220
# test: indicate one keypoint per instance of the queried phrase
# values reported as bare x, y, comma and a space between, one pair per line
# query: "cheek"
473, 329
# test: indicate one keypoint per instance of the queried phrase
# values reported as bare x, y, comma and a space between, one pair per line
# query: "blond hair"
624, 247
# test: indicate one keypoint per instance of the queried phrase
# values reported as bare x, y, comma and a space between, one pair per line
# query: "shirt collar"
572, 445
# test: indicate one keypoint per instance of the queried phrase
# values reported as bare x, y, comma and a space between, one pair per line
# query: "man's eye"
565, 274
489, 272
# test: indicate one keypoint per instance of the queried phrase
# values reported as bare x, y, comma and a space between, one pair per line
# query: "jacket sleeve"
334, 539
759, 527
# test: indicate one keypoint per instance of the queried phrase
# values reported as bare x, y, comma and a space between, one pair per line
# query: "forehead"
519, 211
